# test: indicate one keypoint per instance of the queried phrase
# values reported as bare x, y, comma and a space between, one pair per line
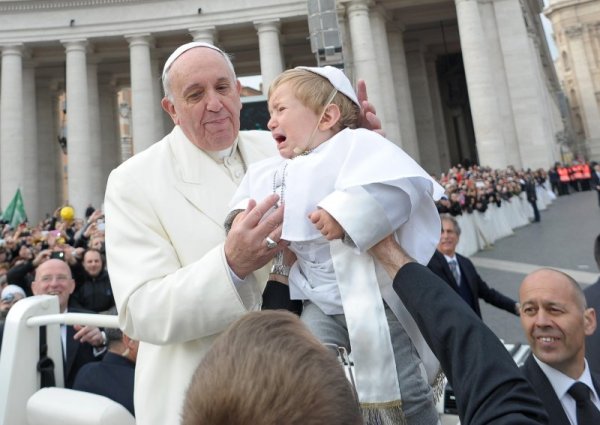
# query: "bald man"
81, 344
556, 321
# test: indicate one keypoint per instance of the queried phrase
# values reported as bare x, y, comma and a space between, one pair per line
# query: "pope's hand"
246, 247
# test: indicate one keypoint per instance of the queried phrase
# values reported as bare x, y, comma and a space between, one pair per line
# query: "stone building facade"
576, 27
452, 80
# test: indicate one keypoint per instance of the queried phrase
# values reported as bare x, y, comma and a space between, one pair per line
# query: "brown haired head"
268, 369
313, 90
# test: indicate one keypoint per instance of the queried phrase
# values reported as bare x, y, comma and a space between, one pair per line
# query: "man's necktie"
454, 269
587, 412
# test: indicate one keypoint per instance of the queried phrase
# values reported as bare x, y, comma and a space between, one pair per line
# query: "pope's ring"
270, 243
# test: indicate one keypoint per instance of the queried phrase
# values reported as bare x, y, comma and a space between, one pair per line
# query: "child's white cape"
330, 177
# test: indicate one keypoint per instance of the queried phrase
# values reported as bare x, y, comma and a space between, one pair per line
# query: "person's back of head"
268, 369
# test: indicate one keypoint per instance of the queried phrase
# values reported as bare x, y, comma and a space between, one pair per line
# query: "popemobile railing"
19, 377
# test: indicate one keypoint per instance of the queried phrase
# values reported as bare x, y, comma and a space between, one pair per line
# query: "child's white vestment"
372, 188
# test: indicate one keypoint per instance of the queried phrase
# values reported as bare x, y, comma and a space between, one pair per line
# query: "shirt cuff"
237, 281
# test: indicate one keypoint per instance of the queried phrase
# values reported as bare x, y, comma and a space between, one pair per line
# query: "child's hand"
326, 224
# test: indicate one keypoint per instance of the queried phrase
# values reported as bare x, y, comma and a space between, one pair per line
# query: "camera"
58, 254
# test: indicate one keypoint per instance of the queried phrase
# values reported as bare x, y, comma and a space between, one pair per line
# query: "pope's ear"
330, 118
169, 108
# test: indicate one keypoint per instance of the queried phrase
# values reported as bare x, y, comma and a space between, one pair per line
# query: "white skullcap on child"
337, 78
184, 48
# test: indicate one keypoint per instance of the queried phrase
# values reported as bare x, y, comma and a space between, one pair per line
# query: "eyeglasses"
59, 278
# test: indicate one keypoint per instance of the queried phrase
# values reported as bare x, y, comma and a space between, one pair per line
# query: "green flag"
14, 214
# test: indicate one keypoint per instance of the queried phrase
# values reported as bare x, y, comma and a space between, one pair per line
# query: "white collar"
561, 382
453, 258
219, 156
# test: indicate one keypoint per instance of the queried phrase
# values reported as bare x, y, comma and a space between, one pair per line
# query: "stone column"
47, 164
421, 100
386, 83
271, 60
204, 34
494, 39
438, 115
109, 134
348, 54
523, 85
546, 144
79, 150
586, 91
159, 128
99, 185
482, 96
12, 168
142, 92
30, 190
363, 48
406, 115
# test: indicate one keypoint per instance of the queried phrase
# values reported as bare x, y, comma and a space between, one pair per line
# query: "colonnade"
506, 82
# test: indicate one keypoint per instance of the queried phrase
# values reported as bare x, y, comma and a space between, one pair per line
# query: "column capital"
348, 3
378, 9
574, 31
357, 5
267, 25
204, 33
13, 49
74, 45
140, 39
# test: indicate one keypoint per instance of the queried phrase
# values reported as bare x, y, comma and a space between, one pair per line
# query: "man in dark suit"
459, 272
596, 179
529, 187
488, 386
113, 377
556, 320
81, 344
592, 296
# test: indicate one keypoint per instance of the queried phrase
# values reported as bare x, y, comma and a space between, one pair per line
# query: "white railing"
19, 378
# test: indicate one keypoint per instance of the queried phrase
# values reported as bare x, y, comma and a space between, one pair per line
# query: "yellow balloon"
67, 213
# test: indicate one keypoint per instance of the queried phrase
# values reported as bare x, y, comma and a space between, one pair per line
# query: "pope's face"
554, 321
205, 99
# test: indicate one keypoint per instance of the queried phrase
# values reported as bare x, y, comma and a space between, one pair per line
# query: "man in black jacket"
113, 377
460, 274
592, 296
489, 387
93, 290
595, 176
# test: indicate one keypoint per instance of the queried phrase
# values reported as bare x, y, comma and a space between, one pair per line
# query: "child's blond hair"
313, 90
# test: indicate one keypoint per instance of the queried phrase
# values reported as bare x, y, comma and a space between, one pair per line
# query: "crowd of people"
182, 286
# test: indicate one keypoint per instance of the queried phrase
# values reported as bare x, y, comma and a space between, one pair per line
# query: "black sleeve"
491, 296
17, 275
489, 387
276, 296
